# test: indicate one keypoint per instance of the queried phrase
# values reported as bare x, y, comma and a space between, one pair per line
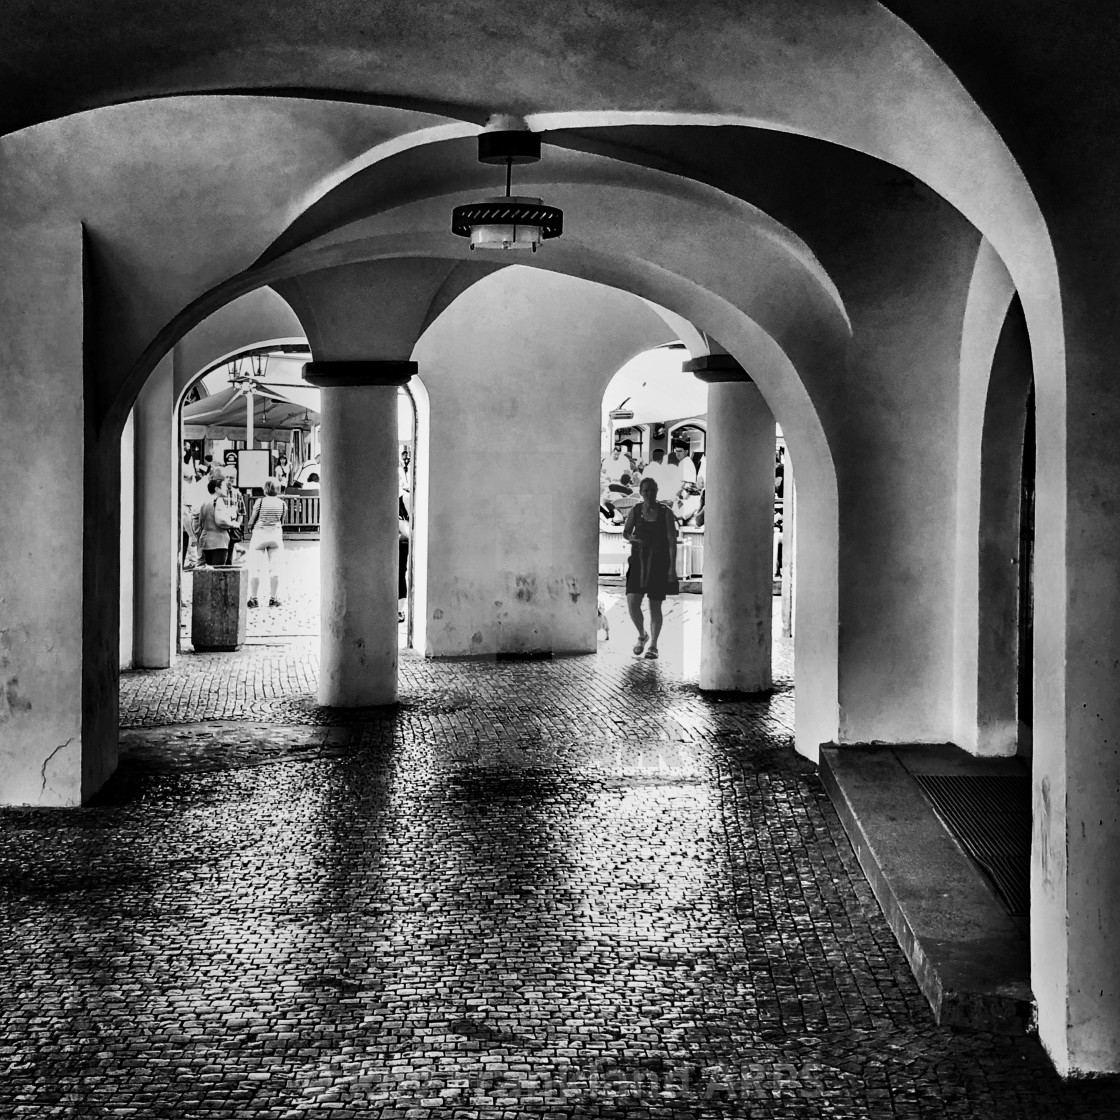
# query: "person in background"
282, 471
616, 465
685, 466
235, 501
190, 466
212, 520
190, 499
403, 488
664, 474
266, 542
404, 536
235, 510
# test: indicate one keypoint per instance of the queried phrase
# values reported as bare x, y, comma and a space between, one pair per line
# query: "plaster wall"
515, 370
1075, 899
156, 527
990, 293
892, 418
1003, 450
128, 525
369, 310
41, 332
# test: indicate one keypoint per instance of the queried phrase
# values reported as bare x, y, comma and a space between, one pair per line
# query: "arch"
795, 327
938, 141
990, 294
779, 379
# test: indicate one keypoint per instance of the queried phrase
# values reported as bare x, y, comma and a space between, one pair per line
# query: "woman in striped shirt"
267, 541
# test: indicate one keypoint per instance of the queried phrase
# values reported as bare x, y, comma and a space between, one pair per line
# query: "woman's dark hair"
214, 484
625, 479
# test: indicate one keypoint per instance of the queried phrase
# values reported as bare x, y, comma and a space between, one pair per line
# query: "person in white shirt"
616, 466
194, 493
685, 466
666, 475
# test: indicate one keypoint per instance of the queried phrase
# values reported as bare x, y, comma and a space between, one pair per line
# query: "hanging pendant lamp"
512, 221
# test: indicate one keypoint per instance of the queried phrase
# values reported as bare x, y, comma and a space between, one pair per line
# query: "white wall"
515, 370
128, 529
41, 556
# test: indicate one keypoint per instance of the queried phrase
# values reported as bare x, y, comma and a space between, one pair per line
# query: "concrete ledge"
969, 958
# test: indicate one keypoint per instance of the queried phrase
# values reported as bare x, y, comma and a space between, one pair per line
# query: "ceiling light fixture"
515, 221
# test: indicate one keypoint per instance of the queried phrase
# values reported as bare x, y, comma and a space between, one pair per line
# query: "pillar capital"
326, 375
716, 367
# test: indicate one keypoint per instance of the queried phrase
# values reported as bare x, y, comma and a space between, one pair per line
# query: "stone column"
358, 504
738, 530
43, 746
157, 522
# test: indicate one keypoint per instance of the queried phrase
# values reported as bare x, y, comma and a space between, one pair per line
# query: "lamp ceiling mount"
512, 221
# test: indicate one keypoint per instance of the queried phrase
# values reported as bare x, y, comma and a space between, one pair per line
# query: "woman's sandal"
651, 655
641, 645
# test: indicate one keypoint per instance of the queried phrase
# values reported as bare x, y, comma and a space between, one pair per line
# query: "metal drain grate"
991, 817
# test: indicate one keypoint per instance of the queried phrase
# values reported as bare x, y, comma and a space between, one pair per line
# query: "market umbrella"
276, 408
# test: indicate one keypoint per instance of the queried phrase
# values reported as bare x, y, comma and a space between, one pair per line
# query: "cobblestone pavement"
567, 889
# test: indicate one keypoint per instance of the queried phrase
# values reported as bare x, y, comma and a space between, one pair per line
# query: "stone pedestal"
219, 612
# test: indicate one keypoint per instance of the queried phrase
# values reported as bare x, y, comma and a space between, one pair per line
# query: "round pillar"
358, 517
738, 540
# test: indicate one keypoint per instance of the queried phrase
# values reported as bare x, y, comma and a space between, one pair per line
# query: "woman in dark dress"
651, 530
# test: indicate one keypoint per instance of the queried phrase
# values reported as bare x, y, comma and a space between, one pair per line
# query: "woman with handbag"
215, 519
651, 530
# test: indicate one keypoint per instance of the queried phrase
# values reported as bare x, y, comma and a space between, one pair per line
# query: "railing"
614, 552
301, 513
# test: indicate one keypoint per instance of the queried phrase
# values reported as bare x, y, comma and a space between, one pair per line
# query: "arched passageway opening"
256, 399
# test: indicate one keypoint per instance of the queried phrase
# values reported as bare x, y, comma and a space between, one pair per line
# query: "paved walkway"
565, 889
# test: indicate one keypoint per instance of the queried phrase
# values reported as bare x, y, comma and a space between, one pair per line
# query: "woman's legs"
264, 556
654, 623
634, 606
272, 552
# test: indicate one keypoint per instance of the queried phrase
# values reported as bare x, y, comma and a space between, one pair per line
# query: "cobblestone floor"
567, 889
